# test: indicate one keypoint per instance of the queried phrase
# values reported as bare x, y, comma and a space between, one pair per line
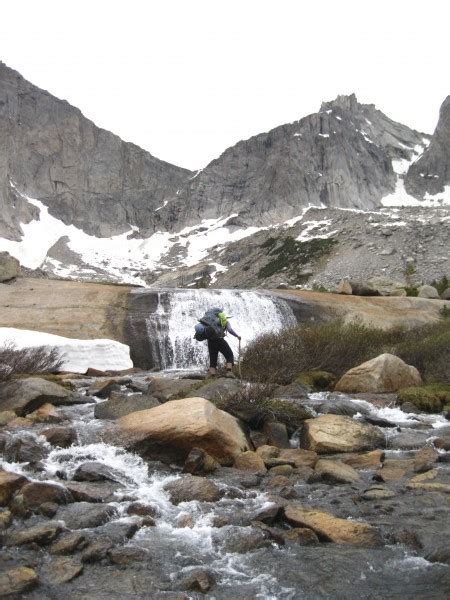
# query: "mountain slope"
86, 176
340, 157
430, 174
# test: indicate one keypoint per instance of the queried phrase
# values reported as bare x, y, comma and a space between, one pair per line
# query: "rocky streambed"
354, 505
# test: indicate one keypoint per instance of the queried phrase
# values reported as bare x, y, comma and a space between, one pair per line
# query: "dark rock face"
431, 172
339, 157
85, 175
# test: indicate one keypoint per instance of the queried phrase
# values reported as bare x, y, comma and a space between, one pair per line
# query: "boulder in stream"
172, 430
17, 581
329, 434
383, 374
26, 395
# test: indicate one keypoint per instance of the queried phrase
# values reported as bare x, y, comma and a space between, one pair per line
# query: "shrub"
332, 346
428, 398
254, 405
441, 285
337, 347
27, 360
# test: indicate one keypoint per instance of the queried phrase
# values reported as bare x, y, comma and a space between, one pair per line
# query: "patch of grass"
290, 255
445, 311
428, 398
412, 291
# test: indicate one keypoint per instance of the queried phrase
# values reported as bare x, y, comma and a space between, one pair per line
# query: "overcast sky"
185, 79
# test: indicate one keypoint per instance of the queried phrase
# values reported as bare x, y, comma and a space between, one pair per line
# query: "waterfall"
171, 326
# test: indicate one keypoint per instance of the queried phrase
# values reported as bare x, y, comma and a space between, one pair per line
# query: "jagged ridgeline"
106, 209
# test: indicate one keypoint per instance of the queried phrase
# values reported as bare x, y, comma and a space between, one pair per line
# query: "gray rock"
36, 493
72, 166
63, 437
428, 291
128, 555
9, 267
431, 172
95, 471
218, 389
62, 570
68, 543
39, 534
119, 531
446, 294
192, 488
117, 407
26, 395
24, 447
18, 580
103, 491
82, 515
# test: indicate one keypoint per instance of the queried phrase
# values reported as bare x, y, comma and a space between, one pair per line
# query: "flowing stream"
215, 535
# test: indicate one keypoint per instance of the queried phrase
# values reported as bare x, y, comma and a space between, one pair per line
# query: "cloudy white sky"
185, 79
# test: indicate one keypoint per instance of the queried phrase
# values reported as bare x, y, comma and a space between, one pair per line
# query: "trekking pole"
239, 360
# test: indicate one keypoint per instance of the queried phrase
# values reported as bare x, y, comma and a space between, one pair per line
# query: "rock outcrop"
87, 176
9, 267
430, 174
25, 396
329, 434
383, 374
176, 427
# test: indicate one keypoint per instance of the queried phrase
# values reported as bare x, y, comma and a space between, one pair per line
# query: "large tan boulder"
333, 529
329, 434
383, 374
9, 267
173, 429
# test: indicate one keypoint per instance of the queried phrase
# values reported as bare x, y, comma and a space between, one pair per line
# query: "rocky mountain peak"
344, 102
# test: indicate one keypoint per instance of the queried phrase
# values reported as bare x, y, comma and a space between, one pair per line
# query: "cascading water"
171, 325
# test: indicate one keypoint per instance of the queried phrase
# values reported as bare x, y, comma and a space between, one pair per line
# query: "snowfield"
78, 355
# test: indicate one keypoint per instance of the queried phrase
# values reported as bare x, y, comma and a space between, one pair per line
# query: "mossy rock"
318, 380
427, 398
49, 377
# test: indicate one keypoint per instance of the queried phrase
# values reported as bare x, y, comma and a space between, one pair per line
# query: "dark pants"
216, 346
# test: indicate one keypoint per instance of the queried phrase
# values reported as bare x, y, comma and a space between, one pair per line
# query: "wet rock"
301, 536
6, 416
96, 551
335, 471
17, 581
185, 520
5, 519
102, 389
366, 460
199, 462
439, 555
128, 555
250, 461
425, 459
277, 462
33, 495
379, 422
68, 543
293, 390
20, 423
142, 510
300, 458
442, 443
268, 513
9, 484
199, 580
244, 539
82, 515
333, 529
385, 373
377, 492
140, 386
276, 434
335, 405
282, 470
334, 433
39, 534
165, 389
62, 570
93, 491
24, 447
173, 429
407, 538
432, 481
95, 471
63, 437
45, 414
193, 488
394, 470
219, 389
121, 405
26, 395
119, 531
408, 440
48, 509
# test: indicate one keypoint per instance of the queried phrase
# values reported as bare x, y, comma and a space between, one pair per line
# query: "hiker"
214, 326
